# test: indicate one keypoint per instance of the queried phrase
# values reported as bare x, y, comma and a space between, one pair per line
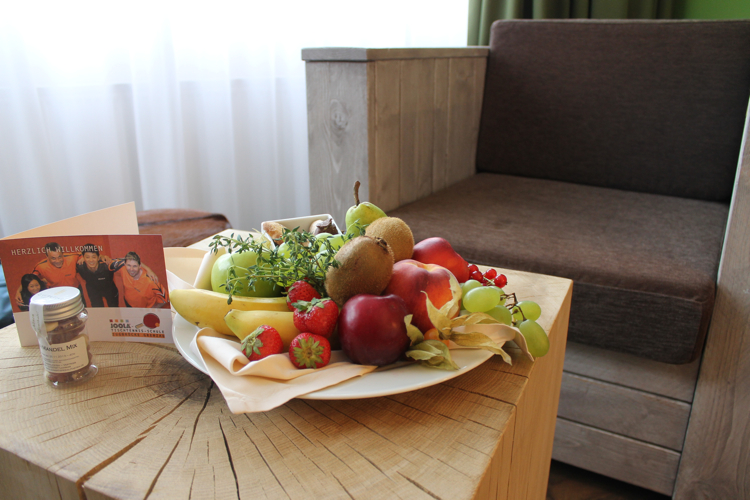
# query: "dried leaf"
415, 335
476, 330
434, 354
473, 319
497, 332
438, 317
468, 336
520, 341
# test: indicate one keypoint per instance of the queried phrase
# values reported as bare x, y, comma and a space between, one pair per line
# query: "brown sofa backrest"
648, 106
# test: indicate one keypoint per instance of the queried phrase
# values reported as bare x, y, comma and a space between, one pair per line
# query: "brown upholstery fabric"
644, 265
649, 106
181, 227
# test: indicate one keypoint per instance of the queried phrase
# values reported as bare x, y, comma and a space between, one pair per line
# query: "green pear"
364, 212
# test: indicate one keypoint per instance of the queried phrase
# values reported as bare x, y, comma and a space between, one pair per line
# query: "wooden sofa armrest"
404, 122
714, 458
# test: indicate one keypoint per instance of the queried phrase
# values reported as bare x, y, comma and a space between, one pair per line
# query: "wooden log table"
150, 425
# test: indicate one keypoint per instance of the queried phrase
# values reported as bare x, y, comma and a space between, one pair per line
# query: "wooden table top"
149, 425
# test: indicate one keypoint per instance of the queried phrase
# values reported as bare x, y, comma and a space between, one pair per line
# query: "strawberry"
308, 350
264, 341
300, 290
317, 316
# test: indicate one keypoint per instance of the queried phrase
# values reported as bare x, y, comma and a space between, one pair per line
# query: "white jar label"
65, 358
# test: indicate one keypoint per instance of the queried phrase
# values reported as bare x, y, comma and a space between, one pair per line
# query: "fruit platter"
311, 295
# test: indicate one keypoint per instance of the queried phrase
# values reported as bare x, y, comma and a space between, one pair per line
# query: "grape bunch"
483, 292
490, 277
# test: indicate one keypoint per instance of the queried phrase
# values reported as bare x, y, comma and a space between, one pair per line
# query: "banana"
205, 308
243, 323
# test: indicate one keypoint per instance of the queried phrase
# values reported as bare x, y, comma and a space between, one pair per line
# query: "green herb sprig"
309, 259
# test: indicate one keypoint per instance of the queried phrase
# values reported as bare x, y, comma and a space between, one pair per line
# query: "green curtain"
482, 13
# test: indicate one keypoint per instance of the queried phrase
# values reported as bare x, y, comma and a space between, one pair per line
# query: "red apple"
439, 251
372, 330
410, 278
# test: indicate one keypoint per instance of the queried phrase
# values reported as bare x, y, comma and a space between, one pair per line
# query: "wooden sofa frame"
405, 123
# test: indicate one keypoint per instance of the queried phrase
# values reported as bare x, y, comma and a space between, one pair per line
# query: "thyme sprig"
308, 259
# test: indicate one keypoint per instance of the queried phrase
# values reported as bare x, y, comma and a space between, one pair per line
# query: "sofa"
601, 151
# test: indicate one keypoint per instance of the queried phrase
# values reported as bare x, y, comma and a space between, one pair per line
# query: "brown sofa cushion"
181, 227
654, 106
644, 265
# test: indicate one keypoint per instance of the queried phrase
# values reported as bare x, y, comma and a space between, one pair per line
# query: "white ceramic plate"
185, 262
375, 384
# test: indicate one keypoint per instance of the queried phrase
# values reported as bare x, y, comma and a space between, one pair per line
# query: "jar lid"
55, 304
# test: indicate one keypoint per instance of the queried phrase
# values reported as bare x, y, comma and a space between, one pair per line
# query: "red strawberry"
308, 350
317, 316
264, 341
300, 290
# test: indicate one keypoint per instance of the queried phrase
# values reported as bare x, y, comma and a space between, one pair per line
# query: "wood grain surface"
338, 142
671, 381
149, 425
403, 122
618, 457
363, 54
716, 456
636, 414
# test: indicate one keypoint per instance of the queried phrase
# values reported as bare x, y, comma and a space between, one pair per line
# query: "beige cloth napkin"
254, 386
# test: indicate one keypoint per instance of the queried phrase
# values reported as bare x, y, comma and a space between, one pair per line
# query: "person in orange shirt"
58, 269
139, 290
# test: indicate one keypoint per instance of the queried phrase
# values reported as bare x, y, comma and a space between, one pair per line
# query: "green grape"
481, 299
283, 251
322, 236
469, 285
530, 310
464, 312
500, 313
503, 297
536, 339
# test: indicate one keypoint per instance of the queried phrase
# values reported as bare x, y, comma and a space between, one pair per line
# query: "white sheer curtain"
176, 104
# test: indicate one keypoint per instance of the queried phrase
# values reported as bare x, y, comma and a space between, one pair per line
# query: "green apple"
240, 262
364, 212
336, 241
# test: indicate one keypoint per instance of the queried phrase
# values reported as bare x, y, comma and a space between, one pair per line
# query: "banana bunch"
205, 308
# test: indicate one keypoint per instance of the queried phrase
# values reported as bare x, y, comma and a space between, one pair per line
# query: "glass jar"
58, 317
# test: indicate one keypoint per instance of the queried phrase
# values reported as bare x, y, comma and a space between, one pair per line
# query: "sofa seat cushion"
644, 265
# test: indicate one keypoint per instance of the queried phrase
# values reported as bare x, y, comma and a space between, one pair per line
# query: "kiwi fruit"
396, 233
366, 265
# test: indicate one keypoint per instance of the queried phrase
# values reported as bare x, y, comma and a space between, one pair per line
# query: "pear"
363, 213
365, 266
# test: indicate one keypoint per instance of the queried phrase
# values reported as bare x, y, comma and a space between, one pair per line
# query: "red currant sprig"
490, 277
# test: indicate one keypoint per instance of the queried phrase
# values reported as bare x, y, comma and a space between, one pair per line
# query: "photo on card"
122, 280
